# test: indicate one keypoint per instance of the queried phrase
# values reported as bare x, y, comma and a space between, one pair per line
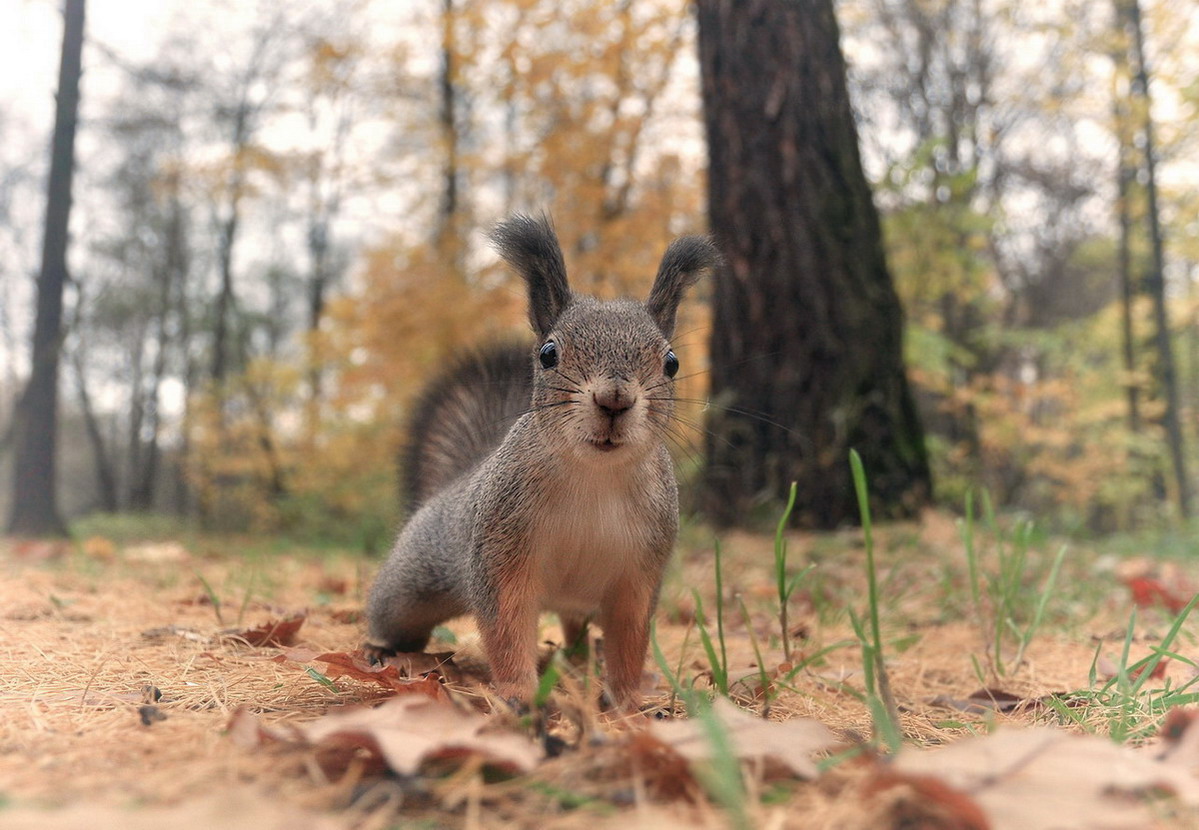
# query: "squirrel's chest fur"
578, 525
595, 532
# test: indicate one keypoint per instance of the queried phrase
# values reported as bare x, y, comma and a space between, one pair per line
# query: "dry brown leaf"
666, 773
1045, 778
409, 730
297, 654
348, 616
274, 633
1180, 738
988, 700
230, 809
790, 743
353, 664
99, 548
247, 731
923, 801
417, 663
1106, 669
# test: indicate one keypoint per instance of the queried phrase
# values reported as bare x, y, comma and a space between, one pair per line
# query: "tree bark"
106, 477
1156, 283
807, 345
35, 498
1128, 288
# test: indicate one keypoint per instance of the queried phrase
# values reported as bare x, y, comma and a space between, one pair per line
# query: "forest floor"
151, 680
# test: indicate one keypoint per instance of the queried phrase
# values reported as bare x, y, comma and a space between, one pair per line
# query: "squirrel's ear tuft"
530, 246
685, 261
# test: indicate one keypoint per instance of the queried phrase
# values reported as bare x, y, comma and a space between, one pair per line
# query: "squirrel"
540, 477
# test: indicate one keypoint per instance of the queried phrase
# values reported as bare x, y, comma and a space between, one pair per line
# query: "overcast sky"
31, 38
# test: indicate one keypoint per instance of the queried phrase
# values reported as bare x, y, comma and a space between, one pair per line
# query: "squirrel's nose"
613, 401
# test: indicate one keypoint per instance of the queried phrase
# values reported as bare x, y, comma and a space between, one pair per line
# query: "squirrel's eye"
548, 355
672, 365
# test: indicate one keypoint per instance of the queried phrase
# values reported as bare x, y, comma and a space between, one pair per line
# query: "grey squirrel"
540, 477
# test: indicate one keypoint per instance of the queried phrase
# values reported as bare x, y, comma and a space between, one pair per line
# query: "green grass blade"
720, 677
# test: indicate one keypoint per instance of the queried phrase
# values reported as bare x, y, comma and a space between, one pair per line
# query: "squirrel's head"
604, 369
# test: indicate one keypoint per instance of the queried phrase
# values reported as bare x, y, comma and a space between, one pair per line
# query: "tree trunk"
106, 477
1128, 288
1156, 282
35, 498
228, 227
807, 339
170, 276
448, 239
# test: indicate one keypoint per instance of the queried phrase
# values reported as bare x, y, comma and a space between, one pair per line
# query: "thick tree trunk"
35, 500
807, 346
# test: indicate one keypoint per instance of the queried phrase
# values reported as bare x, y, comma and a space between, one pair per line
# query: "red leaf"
1148, 592
1158, 673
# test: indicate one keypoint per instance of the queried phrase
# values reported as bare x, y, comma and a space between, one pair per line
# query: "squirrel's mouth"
604, 444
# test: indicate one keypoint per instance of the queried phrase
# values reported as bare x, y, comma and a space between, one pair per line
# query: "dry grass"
81, 650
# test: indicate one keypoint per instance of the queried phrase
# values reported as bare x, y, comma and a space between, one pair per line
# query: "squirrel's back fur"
462, 416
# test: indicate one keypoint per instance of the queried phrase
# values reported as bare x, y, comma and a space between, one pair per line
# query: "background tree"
807, 334
35, 495
1129, 15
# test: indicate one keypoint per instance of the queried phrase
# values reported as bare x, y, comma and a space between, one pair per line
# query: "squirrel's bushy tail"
462, 415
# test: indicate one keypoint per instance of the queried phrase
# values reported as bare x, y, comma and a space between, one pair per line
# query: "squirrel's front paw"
376, 655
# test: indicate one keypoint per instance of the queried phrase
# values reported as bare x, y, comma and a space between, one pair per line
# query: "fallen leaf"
297, 654
333, 585
275, 633
789, 743
346, 615
99, 547
407, 731
231, 807
1026, 779
996, 700
1180, 738
1106, 668
418, 663
666, 773
353, 664
1149, 592
247, 731
1178, 723
40, 550
923, 801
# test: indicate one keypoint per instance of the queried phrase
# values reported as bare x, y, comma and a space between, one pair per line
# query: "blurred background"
277, 233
